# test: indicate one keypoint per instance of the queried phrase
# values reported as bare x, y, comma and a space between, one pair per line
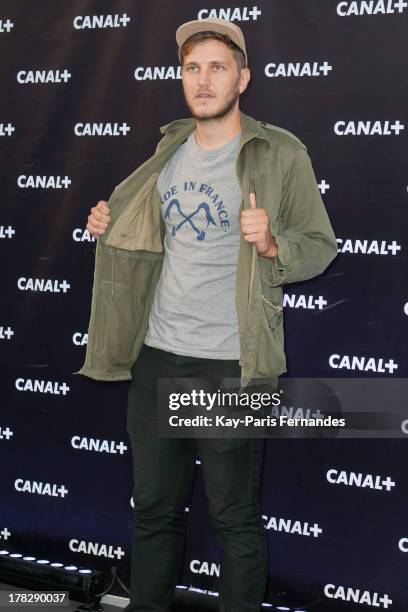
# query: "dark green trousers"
163, 470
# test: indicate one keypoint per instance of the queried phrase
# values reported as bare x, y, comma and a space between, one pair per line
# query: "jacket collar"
250, 128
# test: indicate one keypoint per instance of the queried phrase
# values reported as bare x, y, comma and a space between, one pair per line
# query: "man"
193, 249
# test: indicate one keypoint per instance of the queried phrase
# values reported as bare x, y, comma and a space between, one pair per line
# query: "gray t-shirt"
193, 311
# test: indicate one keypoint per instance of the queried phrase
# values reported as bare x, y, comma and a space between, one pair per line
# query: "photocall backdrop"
85, 87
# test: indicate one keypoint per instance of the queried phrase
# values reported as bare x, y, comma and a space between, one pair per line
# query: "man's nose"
204, 77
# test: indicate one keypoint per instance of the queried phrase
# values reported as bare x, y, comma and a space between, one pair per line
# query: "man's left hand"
255, 228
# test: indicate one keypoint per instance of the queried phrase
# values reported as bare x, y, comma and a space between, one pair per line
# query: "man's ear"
245, 78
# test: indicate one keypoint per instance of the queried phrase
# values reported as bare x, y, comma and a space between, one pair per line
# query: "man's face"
211, 81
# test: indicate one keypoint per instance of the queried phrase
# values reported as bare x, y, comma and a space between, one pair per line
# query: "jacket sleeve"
306, 241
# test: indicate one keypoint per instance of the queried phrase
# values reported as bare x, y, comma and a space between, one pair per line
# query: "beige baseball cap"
222, 26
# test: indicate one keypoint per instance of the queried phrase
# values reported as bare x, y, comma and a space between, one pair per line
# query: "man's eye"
191, 68
218, 67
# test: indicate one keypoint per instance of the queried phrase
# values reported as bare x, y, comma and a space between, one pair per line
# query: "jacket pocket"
138, 225
122, 310
125, 293
271, 354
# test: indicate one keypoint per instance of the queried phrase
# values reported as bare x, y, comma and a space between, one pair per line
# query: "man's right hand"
98, 219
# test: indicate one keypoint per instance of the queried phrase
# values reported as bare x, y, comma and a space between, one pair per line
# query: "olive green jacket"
275, 165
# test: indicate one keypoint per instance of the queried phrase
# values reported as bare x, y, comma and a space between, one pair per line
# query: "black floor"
185, 601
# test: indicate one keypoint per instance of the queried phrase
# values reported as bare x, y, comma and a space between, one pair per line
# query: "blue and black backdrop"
84, 88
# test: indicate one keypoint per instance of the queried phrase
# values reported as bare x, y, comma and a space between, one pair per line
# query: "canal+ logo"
6, 25
291, 526
7, 129
96, 549
239, 13
368, 128
40, 488
101, 129
372, 7
6, 333
45, 285
34, 385
7, 231
97, 445
83, 22
362, 363
298, 69
43, 76
356, 595
25, 181
357, 246
359, 479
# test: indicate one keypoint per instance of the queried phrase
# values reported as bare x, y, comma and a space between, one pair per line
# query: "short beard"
223, 111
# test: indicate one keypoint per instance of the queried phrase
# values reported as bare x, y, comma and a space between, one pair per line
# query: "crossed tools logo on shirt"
174, 203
